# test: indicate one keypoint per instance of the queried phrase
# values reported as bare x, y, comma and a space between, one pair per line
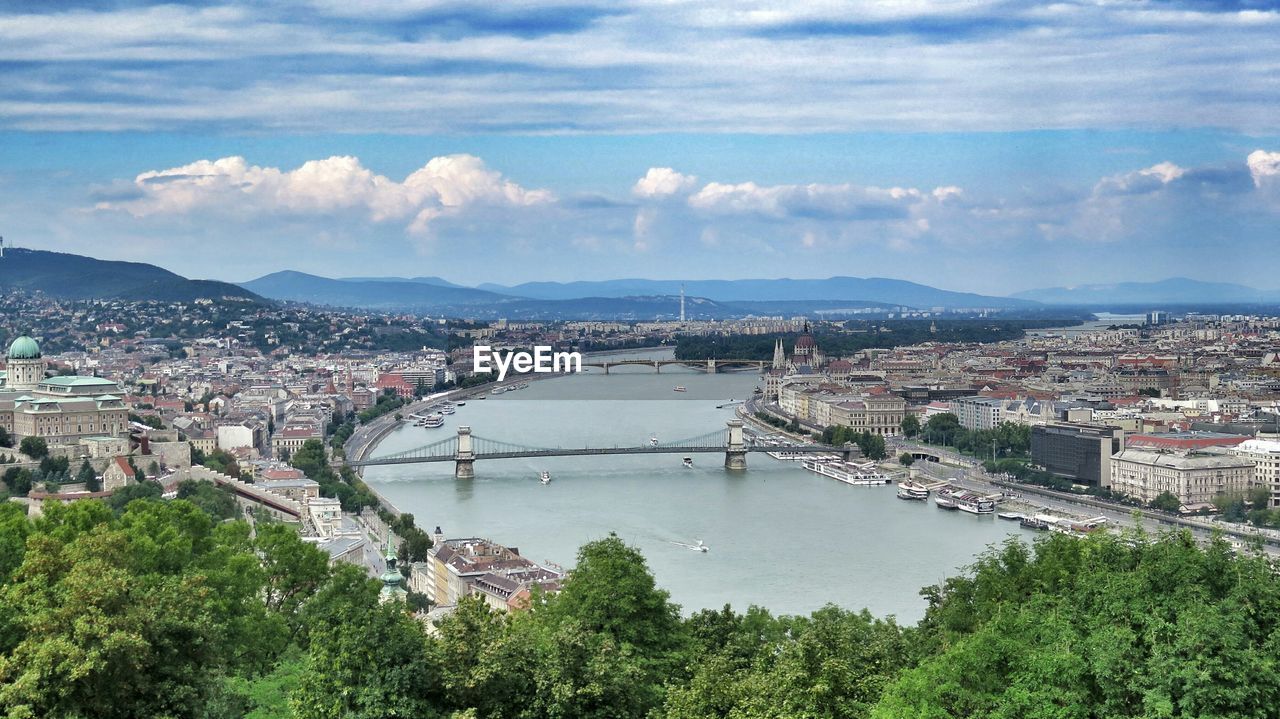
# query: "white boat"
848, 472
447, 409
912, 490
688, 461
653, 441
497, 390
968, 501
460, 404
700, 547
432, 421
545, 477
679, 388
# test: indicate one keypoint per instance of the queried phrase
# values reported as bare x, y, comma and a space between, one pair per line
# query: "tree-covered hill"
164, 609
76, 277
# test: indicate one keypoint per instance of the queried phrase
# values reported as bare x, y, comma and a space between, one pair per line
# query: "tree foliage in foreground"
163, 609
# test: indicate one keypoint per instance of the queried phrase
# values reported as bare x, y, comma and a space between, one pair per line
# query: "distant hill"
1176, 291
439, 281
373, 293
76, 277
871, 290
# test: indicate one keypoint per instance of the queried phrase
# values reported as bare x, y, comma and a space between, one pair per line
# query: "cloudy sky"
969, 144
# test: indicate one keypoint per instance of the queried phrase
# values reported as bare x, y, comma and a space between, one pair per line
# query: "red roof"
125, 467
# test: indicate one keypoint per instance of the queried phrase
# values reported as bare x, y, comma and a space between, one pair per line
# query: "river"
779, 536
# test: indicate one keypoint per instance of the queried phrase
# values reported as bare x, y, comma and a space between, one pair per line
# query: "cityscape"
689, 360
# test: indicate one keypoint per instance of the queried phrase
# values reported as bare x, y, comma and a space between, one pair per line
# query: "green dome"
24, 348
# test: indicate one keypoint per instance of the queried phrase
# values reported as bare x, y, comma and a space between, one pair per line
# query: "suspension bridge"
711, 366
465, 449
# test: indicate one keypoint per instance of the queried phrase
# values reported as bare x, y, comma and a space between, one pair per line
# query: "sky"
967, 144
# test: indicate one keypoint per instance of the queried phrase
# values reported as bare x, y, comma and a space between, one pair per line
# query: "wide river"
779, 536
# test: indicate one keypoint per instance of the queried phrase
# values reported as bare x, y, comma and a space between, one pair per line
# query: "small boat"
432, 421
688, 461
447, 409
545, 477
945, 503
460, 404
1034, 523
700, 547
912, 490
497, 390
680, 388
1011, 516
653, 441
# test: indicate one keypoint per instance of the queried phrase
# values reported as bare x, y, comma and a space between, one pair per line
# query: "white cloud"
1140, 181
663, 182
1263, 166
444, 187
812, 201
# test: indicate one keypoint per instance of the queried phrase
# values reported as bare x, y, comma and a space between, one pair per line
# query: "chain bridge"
464, 449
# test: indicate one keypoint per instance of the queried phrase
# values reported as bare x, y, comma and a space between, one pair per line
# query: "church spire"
392, 579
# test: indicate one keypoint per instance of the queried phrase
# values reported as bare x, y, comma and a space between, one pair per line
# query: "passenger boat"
967, 501
545, 477
1035, 523
679, 388
688, 461
432, 421
942, 502
447, 408
912, 491
848, 472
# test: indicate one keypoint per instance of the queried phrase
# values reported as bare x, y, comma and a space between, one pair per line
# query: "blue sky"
969, 144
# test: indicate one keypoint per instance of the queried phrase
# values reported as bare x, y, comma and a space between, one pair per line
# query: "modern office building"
1079, 452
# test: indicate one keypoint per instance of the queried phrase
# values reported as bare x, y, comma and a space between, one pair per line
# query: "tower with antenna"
681, 300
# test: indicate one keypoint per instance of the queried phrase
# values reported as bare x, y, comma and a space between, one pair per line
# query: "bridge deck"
589, 452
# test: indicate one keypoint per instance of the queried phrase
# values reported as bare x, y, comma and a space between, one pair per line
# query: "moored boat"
432, 421
912, 490
679, 388
848, 472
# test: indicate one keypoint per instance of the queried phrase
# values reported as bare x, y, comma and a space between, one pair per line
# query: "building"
1265, 455
1195, 478
461, 567
977, 413
1079, 452
62, 410
1184, 441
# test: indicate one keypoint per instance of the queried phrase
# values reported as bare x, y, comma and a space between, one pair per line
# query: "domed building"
63, 410
25, 367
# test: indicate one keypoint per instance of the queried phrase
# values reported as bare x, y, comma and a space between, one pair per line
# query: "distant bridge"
464, 449
708, 365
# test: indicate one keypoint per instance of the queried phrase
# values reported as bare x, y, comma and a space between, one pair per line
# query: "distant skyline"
990, 147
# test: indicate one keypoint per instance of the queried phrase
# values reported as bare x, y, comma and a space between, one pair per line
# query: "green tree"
906, 459
910, 425
215, 501
88, 477
34, 447
375, 664
1166, 502
144, 490
6, 439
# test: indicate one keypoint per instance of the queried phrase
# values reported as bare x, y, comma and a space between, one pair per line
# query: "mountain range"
76, 277
68, 276
1173, 291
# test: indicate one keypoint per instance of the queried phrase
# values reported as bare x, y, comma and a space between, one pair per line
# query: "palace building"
63, 410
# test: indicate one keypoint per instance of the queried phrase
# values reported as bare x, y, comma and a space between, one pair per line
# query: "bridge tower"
735, 456
711, 366
465, 459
